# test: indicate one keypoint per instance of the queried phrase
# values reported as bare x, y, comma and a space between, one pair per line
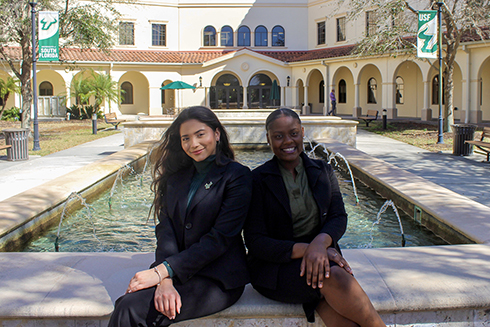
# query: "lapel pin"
208, 185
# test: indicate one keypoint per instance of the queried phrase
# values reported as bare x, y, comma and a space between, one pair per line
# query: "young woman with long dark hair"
201, 200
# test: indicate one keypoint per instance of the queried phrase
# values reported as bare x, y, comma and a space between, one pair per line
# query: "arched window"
321, 92
342, 91
226, 36
278, 36
259, 91
400, 93
435, 90
127, 95
261, 36
45, 89
372, 87
209, 36
243, 36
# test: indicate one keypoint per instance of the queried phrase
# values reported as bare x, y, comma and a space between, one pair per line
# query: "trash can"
461, 133
17, 138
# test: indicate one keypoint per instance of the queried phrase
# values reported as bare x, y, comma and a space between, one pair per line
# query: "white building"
228, 49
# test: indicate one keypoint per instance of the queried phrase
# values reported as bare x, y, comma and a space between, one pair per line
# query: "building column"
245, 98
206, 96
426, 113
388, 100
357, 111
306, 107
283, 96
155, 101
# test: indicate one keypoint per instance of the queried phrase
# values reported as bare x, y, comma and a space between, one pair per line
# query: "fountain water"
73, 195
378, 219
119, 177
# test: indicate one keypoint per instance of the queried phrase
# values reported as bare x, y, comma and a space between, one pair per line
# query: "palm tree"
7, 87
102, 87
80, 90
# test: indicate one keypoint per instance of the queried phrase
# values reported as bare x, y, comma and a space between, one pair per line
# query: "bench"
3, 147
484, 146
111, 118
371, 115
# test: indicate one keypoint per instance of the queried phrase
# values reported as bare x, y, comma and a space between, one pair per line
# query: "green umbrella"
274, 92
177, 85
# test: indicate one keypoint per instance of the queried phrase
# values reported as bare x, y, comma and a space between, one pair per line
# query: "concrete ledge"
406, 285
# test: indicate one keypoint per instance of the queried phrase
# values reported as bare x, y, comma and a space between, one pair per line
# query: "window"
126, 33
127, 95
342, 91
278, 39
372, 87
163, 94
209, 36
399, 95
45, 89
159, 34
370, 23
243, 37
226, 36
261, 36
341, 29
435, 90
321, 92
321, 32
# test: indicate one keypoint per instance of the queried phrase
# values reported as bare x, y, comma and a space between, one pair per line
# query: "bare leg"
332, 318
344, 294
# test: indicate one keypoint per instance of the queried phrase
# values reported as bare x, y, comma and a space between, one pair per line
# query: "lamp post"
440, 137
36, 146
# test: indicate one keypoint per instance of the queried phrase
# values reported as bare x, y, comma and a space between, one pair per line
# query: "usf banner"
427, 34
48, 36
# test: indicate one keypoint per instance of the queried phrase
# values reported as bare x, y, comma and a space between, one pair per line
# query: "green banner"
49, 35
427, 34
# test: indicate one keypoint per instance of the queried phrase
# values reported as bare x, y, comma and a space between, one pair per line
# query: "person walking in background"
201, 201
333, 102
293, 228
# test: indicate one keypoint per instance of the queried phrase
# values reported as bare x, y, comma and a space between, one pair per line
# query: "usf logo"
47, 22
427, 34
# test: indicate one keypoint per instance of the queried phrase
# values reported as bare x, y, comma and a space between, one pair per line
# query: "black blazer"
206, 239
269, 227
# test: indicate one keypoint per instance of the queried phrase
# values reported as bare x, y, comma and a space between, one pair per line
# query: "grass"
61, 135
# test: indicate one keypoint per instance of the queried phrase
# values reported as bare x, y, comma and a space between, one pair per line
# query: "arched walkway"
140, 97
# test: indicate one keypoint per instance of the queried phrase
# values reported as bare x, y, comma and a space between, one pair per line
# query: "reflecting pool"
125, 227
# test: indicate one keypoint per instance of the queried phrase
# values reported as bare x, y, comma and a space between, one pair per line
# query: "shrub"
12, 114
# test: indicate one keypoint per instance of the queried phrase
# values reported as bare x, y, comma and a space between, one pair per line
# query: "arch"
261, 36
243, 36
411, 102
259, 90
226, 36
315, 77
278, 36
344, 73
300, 93
435, 90
368, 72
141, 93
46, 89
127, 93
483, 87
209, 36
226, 92
321, 93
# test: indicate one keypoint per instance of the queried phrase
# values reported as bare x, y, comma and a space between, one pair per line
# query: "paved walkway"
19, 176
468, 175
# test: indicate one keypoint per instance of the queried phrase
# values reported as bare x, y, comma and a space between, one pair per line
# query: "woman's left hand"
143, 279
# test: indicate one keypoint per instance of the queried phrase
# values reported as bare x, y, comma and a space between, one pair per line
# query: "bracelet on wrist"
159, 276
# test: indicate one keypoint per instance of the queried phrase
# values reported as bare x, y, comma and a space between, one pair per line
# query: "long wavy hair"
168, 157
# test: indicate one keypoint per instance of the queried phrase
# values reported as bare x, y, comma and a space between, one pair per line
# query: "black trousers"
200, 297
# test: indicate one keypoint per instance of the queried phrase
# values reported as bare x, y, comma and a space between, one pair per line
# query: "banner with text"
427, 34
49, 36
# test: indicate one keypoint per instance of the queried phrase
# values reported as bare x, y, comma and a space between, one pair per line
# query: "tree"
6, 88
102, 87
83, 24
396, 30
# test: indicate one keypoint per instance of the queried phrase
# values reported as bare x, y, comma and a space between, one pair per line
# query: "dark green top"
202, 169
304, 210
